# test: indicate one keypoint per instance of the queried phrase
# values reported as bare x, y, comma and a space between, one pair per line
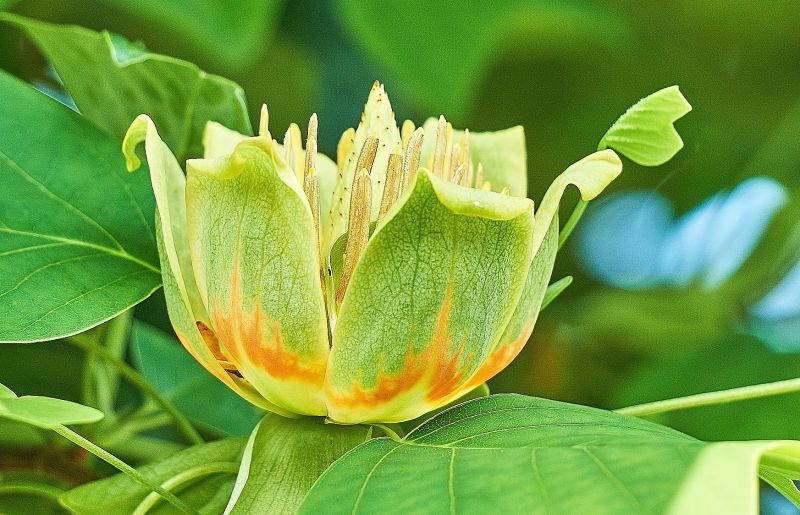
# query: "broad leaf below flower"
516, 454
76, 230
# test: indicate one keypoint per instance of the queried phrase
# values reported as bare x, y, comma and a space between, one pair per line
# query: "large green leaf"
516, 454
195, 392
229, 33
77, 244
283, 459
112, 81
442, 52
209, 490
44, 412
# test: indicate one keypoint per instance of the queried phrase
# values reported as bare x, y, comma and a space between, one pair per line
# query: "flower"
371, 289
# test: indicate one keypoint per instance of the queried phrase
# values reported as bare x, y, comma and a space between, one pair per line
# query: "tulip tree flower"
375, 288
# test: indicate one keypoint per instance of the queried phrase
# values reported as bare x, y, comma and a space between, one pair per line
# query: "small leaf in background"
283, 459
113, 80
208, 491
516, 454
181, 379
442, 52
231, 32
645, 133
77, 245
44, 412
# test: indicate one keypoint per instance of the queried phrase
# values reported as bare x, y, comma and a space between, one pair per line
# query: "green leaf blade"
46, 412
645, 133
516, 454
112, 81
71, 256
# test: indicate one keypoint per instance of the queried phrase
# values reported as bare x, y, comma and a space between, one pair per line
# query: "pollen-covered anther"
441, 147
479, 177
412, 156
293, 150
459, 174
358, 225
263, 123
406, 131
466, 149
394, 179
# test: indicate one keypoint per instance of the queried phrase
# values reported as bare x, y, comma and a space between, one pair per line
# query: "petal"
429, 299
219, 141
520, 327
183, 301
255, 257
502, 154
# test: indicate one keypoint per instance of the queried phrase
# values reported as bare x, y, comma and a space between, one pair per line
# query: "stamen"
448, 152
394, 179
441, 148
311, 144
406, 132
505, 191
343, 148
263, 124
293, 148
455, 162
358, 225
486, 186
466, 147
367, 156
479, 176
459, 174
412, 157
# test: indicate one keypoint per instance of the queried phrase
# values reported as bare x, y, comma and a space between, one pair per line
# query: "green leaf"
443, 53
516, 454
121, 494
44, 412
229, 33
113, 80
76, 230
645, 133
196, 393
429, 299
283, 459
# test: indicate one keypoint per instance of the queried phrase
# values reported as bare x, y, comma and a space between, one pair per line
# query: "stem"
712, 398
120, 465
183, 478
573, 220
140, 382
394, 434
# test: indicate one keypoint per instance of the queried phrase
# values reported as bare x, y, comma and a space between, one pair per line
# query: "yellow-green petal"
183, 300
501, 153
430, 298
590, 175
256, 261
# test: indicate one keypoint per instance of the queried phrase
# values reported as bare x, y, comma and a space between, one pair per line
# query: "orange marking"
437, 364
244, 338
499, 359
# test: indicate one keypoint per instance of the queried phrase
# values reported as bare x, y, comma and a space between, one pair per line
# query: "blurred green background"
564, 69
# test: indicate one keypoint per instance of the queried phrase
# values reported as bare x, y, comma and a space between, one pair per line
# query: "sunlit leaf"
44, 412
283, 459
645, 133
77, 244
515, 454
